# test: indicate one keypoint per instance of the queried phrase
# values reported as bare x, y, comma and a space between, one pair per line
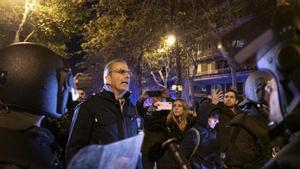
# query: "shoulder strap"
197, 144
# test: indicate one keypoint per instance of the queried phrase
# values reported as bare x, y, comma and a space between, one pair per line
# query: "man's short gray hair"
109, 65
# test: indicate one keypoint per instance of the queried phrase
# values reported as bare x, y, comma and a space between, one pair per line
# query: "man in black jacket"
229, 109
106, 117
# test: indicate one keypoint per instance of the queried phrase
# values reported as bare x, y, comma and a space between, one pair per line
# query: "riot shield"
119, 155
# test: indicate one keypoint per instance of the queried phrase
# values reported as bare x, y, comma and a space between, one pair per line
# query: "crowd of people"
261, 131
221, 133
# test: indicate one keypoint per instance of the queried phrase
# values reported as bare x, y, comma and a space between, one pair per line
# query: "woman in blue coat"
199, 144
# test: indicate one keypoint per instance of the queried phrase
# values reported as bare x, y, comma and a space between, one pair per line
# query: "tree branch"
155, 80
31, 33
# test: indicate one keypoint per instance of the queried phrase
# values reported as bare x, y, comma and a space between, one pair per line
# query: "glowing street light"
29, 5
171, 39
220, 46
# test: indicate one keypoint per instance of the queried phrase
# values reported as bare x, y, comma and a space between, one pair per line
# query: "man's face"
274, 104
81, 95
230, 100
119, 78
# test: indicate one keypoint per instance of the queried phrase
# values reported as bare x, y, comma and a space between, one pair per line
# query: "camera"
164, 106
218, 87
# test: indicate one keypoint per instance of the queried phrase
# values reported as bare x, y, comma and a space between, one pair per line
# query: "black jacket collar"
111, 95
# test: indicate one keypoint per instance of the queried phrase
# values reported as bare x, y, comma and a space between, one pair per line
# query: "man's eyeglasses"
122, 71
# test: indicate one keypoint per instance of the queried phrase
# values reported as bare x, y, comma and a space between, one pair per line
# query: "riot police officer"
281, 58
34, 83
278, 52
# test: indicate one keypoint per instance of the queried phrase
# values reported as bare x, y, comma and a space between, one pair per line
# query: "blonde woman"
179, 119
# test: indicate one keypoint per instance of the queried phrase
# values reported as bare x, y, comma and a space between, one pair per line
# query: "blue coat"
206, 155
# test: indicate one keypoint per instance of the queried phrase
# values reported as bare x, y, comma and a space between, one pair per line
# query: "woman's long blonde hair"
181, 121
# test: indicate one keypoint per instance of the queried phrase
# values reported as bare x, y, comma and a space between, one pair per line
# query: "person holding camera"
152, 107
229, 109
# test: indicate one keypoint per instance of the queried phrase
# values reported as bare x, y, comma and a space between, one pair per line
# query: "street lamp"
171, 39
29, 5
220, 46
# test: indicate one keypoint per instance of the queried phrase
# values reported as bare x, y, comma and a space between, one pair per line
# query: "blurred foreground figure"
280, 56
34, 83
250, 146
283, 62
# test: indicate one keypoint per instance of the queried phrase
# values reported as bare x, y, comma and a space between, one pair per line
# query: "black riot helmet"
281, 57
35, 79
